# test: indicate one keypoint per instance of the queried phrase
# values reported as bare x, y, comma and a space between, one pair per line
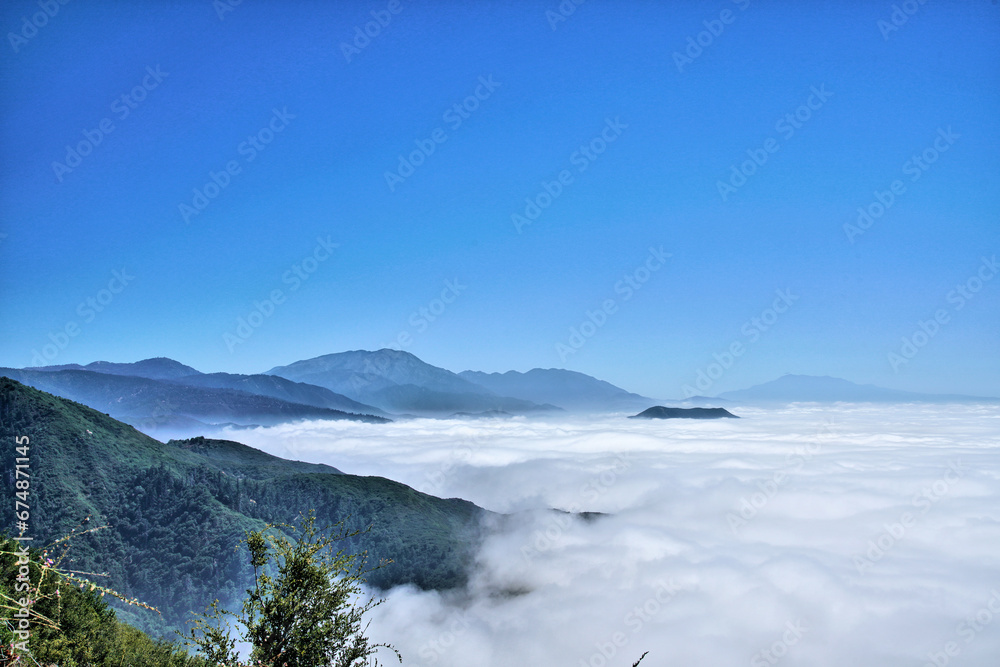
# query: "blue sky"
309, 130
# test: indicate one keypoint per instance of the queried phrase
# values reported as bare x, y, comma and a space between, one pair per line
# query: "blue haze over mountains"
378, 386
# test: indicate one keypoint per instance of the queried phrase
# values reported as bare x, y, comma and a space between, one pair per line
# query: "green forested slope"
177, 509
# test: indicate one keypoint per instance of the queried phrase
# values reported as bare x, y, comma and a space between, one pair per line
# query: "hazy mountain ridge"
425, 401
398, 381
166, 396
157, 368
154, 403
278, 387
826, 389
566, 389
380, 383
350, 370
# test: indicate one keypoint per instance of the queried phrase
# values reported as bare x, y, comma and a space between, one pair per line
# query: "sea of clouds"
807, 535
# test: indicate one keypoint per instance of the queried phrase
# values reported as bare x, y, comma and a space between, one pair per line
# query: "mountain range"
157, 368
166, 404
399, 382
163, 396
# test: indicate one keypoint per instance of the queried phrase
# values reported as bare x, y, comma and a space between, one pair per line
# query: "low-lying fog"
812, 535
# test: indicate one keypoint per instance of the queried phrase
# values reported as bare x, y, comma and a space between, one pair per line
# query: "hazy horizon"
692, 390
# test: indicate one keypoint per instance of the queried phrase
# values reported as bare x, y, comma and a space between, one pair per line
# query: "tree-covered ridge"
176, 510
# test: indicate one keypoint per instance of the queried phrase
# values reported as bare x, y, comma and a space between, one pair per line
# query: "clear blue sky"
344, 118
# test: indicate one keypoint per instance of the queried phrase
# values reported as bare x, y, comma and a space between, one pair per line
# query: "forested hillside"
176, 510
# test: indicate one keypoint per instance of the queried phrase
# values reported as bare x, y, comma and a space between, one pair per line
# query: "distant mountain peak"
399, 381
155, 368
791, 388
357, 360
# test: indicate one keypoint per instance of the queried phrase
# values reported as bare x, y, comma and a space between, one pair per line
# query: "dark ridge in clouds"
661, 412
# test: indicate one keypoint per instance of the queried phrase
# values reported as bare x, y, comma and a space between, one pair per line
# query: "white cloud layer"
812, 535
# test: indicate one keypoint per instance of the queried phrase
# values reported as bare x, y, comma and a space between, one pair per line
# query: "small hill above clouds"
157, 368
661, 412
825, 389
398, 381
566, 389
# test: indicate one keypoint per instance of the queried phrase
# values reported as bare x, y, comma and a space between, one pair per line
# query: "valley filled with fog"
807, 535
